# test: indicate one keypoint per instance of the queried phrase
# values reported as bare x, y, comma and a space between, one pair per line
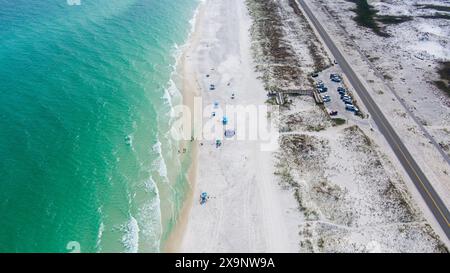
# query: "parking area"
337, 98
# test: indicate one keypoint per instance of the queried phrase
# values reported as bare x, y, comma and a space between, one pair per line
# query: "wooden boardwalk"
280, 95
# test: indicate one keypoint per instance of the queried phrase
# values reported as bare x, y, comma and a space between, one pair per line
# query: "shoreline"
190, 89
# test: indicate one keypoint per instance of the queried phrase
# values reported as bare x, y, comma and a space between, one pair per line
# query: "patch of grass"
338, 121
392, 20
320, 63
316, 128
271, 101
443, 86
437, 15
321, 243
434, 7
366, 17
444, 72
286, 177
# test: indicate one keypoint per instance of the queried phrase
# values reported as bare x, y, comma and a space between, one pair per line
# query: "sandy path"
247, 211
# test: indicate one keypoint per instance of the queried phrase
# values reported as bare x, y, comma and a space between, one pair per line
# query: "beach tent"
230, 133
225, 120
203, 198
218, 143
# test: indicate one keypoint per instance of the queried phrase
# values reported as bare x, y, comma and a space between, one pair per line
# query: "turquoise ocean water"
85, 95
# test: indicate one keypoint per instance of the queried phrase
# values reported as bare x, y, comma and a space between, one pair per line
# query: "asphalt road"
431, 198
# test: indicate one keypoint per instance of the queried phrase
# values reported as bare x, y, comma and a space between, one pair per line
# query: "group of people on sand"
204, 197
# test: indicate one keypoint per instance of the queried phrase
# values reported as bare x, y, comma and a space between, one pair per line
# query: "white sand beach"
247, 210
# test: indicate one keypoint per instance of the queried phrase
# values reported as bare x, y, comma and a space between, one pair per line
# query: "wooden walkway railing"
280, 95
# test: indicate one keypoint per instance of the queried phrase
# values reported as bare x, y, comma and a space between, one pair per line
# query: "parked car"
326, 98
336, 79
315, 75
322, 89
347, 100
341, 89
333, 113
212, 87
351, 108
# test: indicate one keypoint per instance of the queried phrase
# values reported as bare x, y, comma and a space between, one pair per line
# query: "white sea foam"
170, 144
101, 228
149, 214
98, 245
130, 238
194, 18
172, 91
150, 186
159, 163
149, 217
